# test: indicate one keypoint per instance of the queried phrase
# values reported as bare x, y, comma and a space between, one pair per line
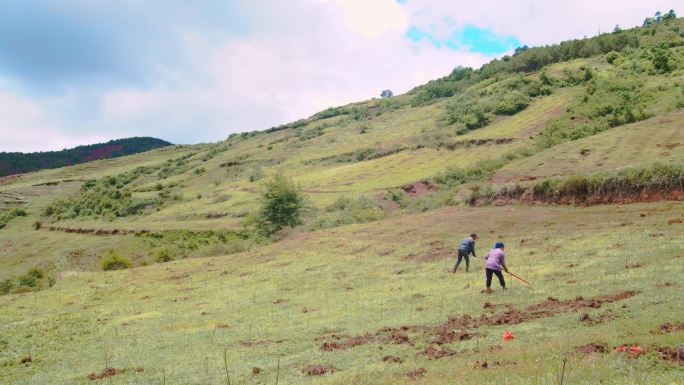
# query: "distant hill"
19, 162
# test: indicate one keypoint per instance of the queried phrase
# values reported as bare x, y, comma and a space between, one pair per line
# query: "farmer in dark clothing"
495, 262
466, 248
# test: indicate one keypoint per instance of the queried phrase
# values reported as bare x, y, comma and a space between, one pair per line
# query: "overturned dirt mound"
385, 335
433, 353
589, 320
552, 305
592, 347
339, 342
394, 335
489, 305
485, 364
669, 328
394, 359
109, 372
446, 336
319, 370
671, 355
456, 328
418, 373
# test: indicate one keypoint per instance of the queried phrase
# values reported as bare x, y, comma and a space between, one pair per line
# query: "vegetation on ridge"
17, 163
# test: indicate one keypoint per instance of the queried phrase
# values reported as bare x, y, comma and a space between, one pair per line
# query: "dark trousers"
498, 274
462, 254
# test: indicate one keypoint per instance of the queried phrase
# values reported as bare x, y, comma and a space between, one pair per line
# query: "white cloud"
535, 22
28, 126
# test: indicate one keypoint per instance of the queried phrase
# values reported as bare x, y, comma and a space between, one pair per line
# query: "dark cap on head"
473, 235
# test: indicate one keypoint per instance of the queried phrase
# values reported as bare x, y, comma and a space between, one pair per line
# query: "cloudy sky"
82, 71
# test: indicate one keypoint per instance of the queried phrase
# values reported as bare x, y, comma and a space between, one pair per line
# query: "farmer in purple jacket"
495, 262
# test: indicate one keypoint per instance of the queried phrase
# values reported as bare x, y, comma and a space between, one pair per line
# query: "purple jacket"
494, 259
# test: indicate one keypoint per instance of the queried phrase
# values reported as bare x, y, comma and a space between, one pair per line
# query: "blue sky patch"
471, 38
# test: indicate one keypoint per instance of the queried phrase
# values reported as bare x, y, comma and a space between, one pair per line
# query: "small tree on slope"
282, 205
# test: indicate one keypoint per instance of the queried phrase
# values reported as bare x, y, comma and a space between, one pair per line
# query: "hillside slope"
361, 289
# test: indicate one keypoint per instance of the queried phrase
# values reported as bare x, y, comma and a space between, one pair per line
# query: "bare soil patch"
419, 188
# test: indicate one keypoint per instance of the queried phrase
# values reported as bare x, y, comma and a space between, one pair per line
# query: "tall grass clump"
115, 261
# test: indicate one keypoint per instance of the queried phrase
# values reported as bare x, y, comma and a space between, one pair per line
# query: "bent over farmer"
493, 265
466, 248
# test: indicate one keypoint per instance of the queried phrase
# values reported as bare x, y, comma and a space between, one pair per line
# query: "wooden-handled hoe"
519, 278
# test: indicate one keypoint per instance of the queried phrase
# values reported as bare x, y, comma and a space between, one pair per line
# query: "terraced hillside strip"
529, 121
660, 138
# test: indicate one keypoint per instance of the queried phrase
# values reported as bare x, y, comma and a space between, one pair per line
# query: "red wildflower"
620, 348
507, 336
635, 349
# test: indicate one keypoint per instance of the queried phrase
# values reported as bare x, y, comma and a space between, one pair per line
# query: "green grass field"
375, 302
273, 304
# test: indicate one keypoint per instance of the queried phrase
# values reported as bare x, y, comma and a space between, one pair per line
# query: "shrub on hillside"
282, 204
114, 261
165, 254
512, 103
661, 58
7, 215
6, 286
612, 56
31, 278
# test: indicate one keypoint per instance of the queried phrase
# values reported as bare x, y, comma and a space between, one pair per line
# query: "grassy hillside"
362, 289
17, 162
